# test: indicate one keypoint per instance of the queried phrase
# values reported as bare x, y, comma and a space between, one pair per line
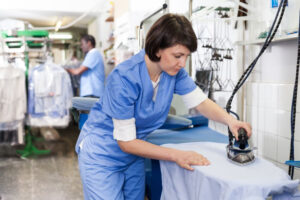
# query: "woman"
136, 101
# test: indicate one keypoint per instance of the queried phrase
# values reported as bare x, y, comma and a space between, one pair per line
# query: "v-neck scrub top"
128, 94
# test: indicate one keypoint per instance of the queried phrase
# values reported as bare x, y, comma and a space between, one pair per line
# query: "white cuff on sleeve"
194, 98
124, 130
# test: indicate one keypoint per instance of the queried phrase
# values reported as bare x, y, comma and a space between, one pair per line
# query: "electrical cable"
294, 105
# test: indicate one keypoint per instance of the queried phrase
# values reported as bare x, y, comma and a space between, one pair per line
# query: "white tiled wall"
268, 92
269, 114
268, 99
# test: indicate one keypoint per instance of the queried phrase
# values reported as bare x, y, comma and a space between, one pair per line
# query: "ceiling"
48, 13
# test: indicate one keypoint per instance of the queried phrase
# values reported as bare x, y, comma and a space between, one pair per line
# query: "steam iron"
239, 151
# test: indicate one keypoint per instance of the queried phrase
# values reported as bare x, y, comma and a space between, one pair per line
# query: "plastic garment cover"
12, 97
49, 96
12, 24
75, 79
222, 179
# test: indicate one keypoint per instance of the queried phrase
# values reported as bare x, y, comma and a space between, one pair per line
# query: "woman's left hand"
235, 125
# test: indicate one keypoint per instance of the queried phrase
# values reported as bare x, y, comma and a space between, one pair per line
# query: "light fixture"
60, 36
58, 25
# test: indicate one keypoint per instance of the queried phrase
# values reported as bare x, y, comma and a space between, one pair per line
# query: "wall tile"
284, 96
298, 98
270, 121
270, 95
249, 115
249, 94
297, 150
252, 94
297, 128
260, 143
270, 146
253, 141
261, 94
261, 119
297, 174
252, 116
283, 149
283, 124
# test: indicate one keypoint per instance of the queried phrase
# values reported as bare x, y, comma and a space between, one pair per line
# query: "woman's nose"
182, 62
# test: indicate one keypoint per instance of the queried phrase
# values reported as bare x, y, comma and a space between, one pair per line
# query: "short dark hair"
89, 38
167, 31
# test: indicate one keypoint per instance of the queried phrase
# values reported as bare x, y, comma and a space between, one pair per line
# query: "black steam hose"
294, 104
248, 71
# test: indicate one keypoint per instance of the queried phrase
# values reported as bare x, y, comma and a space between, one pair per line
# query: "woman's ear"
158, 53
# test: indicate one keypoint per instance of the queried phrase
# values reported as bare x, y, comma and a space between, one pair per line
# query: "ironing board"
223, 179
200, 132
176, 129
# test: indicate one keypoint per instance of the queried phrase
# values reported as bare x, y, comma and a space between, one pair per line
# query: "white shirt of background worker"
91, 70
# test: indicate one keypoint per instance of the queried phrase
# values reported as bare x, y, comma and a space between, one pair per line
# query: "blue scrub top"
92, 80
128, 93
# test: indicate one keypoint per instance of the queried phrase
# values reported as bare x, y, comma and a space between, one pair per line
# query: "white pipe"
70, 24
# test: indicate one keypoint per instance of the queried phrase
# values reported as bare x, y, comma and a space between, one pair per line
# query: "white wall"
269, 91
101, 30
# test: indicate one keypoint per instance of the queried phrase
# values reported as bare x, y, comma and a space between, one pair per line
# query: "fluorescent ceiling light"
60, 36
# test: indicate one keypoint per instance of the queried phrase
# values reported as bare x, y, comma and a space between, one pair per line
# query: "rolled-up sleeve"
194, 98
124, 130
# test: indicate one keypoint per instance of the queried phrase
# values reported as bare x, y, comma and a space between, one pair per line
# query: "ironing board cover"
223, 179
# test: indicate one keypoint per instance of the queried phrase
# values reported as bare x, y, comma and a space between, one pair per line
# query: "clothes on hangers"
13, 97
75, 79
10, 137
49, 96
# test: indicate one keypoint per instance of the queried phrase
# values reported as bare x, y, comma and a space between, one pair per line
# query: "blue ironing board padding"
83, 103
197, 119
197, 134
175, 122
293, 163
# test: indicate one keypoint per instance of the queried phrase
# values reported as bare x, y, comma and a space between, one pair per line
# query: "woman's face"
172, 59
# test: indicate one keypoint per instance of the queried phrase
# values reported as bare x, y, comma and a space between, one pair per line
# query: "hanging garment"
49, 96
9, 137
75, 79
12, 97
222, 179
128, 94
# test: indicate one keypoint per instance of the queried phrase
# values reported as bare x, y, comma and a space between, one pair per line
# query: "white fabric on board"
222, 179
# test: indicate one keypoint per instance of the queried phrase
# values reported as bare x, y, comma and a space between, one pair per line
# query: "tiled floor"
51, 177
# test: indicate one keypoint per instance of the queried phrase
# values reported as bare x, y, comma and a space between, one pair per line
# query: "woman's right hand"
187, 158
